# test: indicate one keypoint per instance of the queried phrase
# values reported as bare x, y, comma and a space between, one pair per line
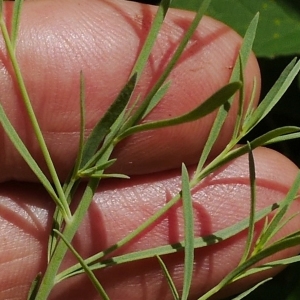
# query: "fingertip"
58, 39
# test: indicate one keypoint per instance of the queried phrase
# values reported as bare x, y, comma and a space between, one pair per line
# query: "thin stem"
34, 121
71, 228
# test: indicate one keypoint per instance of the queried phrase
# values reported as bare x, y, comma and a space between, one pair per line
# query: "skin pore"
103, 38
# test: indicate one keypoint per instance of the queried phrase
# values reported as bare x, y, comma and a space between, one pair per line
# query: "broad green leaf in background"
278, 31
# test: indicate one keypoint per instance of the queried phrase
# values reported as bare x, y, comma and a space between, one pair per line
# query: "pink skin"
102, 38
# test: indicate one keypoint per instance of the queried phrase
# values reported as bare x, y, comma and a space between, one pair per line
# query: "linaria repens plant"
121, 121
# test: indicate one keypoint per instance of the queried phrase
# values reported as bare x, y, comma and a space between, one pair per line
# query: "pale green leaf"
96, 168
238, 272
249, 291
283, 138
199, 242
15, 22
20, 146
86, 268
34, 287
251, 228
103, 126
156, 98
207, 107
188, 233
171, 64
223, 111
168, 278
274, 95
274, 224
271, 265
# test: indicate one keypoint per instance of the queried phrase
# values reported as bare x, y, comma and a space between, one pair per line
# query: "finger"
58, 39
120, 207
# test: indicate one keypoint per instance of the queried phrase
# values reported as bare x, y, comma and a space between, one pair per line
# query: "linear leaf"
249, 291
207, 107
82, 124
272, 227
199, 242
170, 66
98, 167
188, 233
223, 111
23, 151
70, 181
273, 134
34, 287
151, 38
271, 265
169, 278
86, 268
282, 138
237, 273
156, 98
103, 126
274, 95
241, 106
15, 22
260, 141
252, 205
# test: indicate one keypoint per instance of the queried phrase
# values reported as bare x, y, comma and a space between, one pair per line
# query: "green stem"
69, 231
34, 121
71, 228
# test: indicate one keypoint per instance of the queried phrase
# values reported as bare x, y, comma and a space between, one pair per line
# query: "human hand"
102, 38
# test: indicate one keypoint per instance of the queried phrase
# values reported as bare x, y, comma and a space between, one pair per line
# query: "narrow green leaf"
151, 38
283, 244
34, 287
250, 108
239, 271
260, 141
260, 254
226, 156
223, 111
241, 107
252, 205
199, 242
271, 265
98, 167
207, 107
82, 125
188, 233
15, 22
249, 291
103, 126
141, 63
168, 278
274, 95
272, 227
69, 231
101, 175
70, 181
23, 151
273, 134
170, 66
86, 268
283, 138
156, 98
